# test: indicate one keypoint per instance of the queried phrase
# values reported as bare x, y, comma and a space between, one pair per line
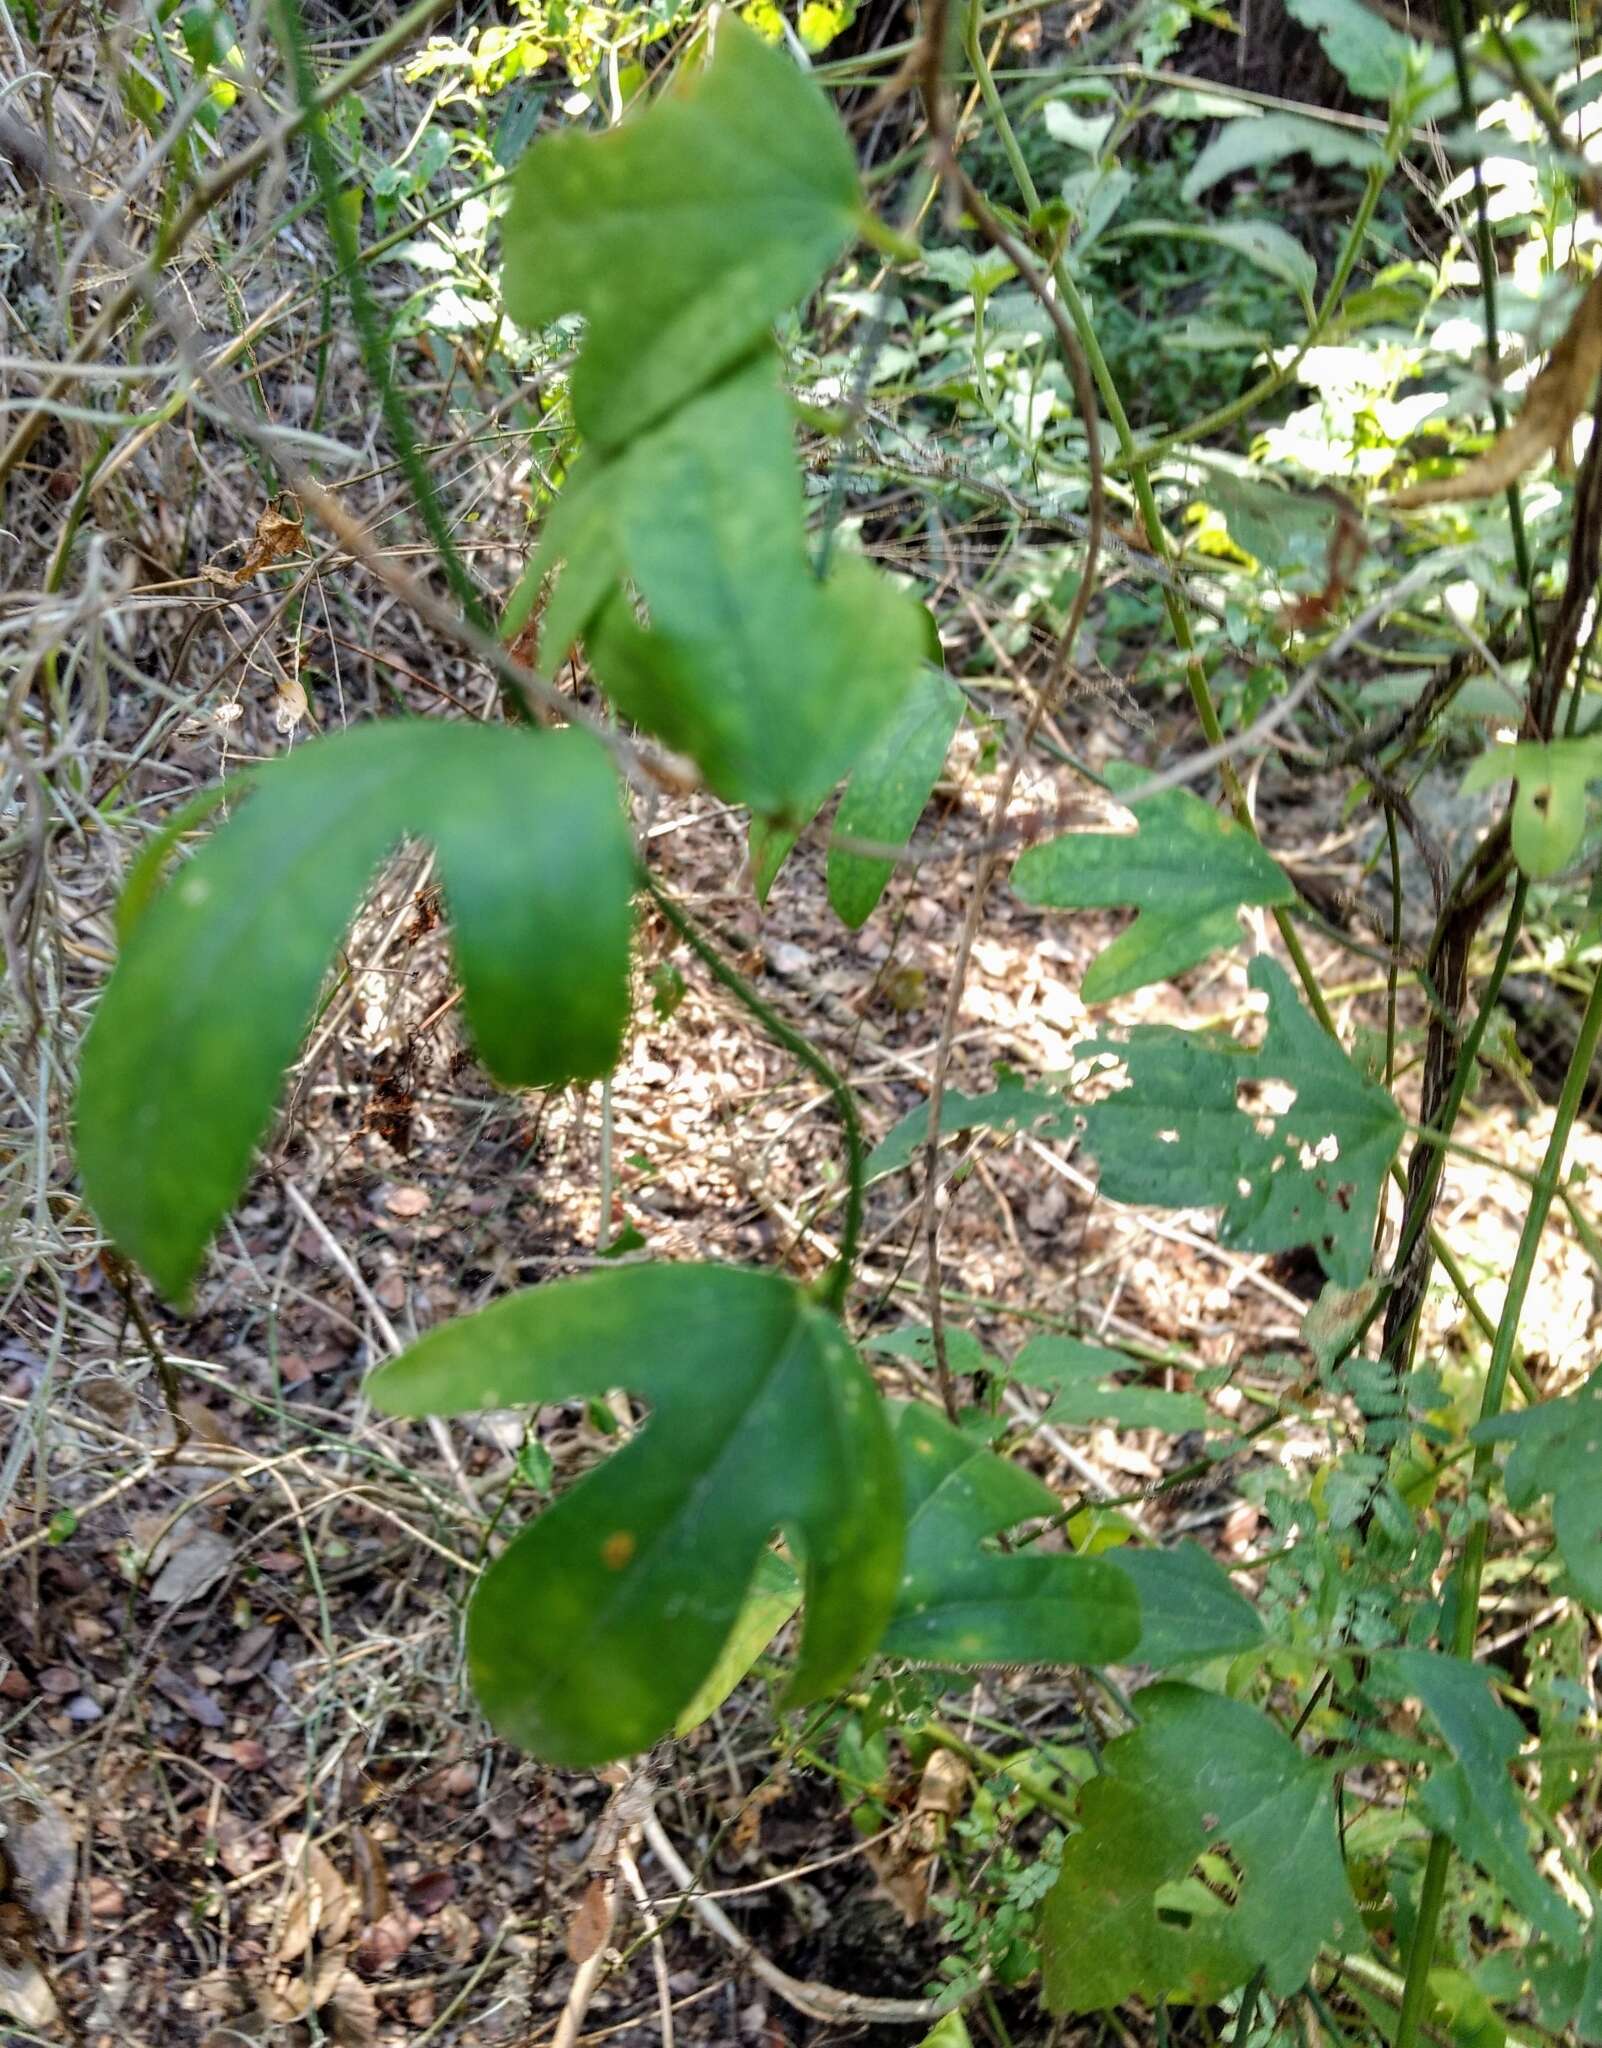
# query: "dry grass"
212, 1654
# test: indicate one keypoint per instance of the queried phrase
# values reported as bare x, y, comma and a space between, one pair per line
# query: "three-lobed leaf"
599, 1623
682, 234
1188, 868
773, 681
1306, 1174
960, 1603
1199, 1775
220, 970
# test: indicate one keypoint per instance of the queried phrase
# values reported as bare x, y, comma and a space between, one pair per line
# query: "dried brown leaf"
1553, 403
385, 1942
42, 1849
592, 1923
351, 2015
372, 1875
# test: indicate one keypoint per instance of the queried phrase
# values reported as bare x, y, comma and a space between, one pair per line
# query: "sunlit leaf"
1549, 807
682, 234
220, 971
772, 1597
1189, 868
960, 1603
1307, 1174
600, 1622
1082, 1379
1011, 1105
1557, 1449
888, 789
1472, 1799
1199, 1774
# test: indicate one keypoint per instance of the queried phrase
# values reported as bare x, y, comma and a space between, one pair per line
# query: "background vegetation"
1170, 363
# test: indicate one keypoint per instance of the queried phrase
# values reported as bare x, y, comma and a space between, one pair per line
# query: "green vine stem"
837, 1285
377, 351
1465, 1590
1145, 499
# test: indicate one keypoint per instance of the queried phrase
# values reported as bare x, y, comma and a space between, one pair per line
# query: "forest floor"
245, 1792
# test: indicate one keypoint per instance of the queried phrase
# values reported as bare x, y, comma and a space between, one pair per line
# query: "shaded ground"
244, 1782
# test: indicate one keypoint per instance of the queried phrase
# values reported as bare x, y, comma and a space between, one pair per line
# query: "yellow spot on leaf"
617, 1550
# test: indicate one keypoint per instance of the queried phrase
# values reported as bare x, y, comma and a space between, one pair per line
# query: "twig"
816, 2001
990, 854
653, 1927
387, 1332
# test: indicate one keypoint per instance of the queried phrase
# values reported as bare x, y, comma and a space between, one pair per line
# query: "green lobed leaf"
772, 1597
1272, 248
1189, 868
598, 1624
889, 787
1310, 1174
1082, 1379
1199, 1774
682, 234
1370, 55
1011, 1105
959, 1603
1472, 1798
1188, 1609
1557, 1449
220, 970
1252, 145
1549, 805
772, 681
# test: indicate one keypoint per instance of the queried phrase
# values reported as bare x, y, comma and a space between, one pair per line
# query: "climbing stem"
1464, 1600
837, 1286
1140, 482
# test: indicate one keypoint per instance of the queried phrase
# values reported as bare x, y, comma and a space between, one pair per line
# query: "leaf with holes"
1189, 868
682, 234
600, 1621
1549, 804
962, 1603
1472, 1799
1082, 1379
1012, 1105
1201, 1776
1308, 1173
1557, 1449
219, 972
